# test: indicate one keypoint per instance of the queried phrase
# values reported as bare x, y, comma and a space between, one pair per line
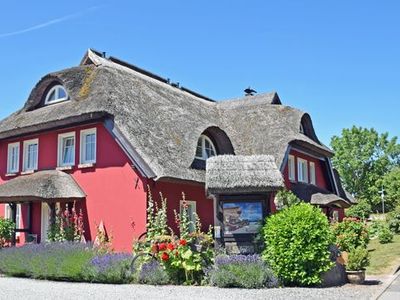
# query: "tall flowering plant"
67, 226
350, 234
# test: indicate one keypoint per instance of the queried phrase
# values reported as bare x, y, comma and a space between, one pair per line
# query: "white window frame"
61, 138
302, 170
25, 154
83, 134
56, 89
291, 168
10, 147
312, 173
203, 139
192, 216
7, 215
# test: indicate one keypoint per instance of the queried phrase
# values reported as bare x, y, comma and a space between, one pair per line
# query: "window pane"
52, 96
31, 157
68, 150
61, 93
89, 153
199, 151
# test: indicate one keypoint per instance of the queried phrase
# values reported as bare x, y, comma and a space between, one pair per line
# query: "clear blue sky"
337, 60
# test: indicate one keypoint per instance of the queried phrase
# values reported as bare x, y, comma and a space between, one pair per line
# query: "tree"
363, 157
391, 184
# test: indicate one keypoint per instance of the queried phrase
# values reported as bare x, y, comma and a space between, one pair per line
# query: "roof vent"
249, 92
175, 84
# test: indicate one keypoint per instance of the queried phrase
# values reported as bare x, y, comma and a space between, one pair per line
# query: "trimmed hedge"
297, 241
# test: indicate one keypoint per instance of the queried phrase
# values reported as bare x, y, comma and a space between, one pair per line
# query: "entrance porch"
38, 194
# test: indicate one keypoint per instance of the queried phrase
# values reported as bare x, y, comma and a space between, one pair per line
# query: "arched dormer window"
56, 94
205, 148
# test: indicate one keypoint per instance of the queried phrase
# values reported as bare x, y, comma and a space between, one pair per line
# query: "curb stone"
385, 286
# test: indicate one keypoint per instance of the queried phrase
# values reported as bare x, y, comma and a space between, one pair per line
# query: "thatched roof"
237, 173
49, 185
342, 192
318, 196
159, 122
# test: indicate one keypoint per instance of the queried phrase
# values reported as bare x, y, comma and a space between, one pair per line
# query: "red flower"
164, 256
162, 246
171, 246
182, 242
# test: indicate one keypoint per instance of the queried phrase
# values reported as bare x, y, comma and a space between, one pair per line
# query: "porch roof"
242, 174
42, 186
318, 196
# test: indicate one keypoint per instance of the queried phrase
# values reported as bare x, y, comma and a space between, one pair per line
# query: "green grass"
384, 258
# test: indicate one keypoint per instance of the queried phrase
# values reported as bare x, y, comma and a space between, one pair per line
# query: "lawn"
384, 257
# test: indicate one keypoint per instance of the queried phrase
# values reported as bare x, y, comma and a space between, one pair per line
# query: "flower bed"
64, 261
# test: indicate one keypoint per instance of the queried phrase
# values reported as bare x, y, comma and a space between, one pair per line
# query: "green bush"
285, 199
393, 219
7, 228
297, 244
241, 271
358, 259
385, 235
361, 210
351, 233
375, 227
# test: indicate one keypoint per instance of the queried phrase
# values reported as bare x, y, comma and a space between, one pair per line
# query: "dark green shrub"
297, 244
241, 271
358, 259
351, 233
361, 210
393, 220
385, 235
7, 228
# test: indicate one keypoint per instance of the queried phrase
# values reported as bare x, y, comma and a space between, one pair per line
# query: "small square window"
88, 146
66, 149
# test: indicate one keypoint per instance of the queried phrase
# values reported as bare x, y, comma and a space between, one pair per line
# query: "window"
205, 148
88, 146
31, 155
312, 172
291, 168
66, 149
13, 158
302, 170
56, 94
7, 215
191, 212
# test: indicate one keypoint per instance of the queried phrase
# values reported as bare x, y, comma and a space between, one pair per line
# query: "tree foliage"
391, 184
363, 157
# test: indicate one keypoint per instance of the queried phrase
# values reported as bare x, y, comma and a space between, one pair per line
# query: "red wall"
193, 192
115, 193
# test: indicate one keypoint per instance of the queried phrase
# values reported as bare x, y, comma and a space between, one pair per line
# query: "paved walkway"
393, 291
19, 288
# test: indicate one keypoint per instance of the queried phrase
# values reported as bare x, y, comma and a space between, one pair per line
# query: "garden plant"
297, 241
7, 228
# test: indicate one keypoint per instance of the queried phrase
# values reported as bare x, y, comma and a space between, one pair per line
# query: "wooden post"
13, 208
